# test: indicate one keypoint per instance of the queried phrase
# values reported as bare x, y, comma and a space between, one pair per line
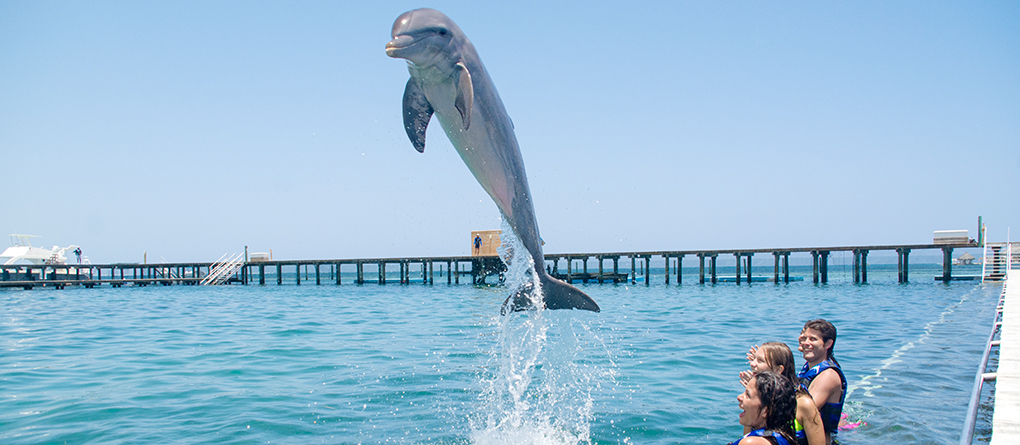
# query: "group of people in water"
784, 407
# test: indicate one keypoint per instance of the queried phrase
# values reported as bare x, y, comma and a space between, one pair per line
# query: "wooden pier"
478, 268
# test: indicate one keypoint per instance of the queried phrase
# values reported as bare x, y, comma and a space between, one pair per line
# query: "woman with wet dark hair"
776, 357
769, 404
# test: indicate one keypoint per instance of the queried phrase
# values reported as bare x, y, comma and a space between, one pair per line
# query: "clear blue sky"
191, 129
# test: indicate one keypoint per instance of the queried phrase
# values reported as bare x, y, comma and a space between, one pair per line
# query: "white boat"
23, 252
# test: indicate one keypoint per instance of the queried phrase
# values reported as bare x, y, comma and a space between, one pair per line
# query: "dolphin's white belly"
479, 147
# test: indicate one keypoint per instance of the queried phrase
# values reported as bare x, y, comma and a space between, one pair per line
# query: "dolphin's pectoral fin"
417, 113
465, 95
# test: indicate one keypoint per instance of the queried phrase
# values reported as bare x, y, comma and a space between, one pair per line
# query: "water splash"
537, 384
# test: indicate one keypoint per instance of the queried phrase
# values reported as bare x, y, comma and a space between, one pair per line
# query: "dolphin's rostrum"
448, 80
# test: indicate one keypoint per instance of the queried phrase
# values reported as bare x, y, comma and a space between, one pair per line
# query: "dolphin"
449, 80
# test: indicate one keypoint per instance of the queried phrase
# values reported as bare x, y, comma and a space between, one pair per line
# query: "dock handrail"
223, 269
967, 436
984, 262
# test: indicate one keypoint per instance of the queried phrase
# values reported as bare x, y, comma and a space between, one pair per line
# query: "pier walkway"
1006, 416
477, 267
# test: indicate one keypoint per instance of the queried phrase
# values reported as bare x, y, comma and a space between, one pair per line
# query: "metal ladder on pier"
996, 261
223, 269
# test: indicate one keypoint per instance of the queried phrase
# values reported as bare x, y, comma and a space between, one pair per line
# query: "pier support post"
679, 268
449, 271
903, 255
775, 276
947, 264
648, 269
666, 258
338, 273
737, 255
786, 267
600, 268
262, 274
712, 268
456, 277
824, 266
864, 266
857, 266
749, 255
633, 270
382, 272
616, 265
318, 281
585, 263
899, 265
814, 266
431, 273
701, 268
279, 274
570, 277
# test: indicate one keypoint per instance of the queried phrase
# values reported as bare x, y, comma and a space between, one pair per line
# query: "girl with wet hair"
769, 405
777, 357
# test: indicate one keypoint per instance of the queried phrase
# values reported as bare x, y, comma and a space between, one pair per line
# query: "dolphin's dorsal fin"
417, 113
465, 95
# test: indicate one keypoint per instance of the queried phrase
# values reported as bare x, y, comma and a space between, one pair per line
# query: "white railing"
997, 260
967, 436
223, 269
984, 261
1013, 256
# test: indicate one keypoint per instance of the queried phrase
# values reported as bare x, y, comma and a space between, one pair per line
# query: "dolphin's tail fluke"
556, 295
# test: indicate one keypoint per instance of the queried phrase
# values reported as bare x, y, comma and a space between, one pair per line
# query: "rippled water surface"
437, 364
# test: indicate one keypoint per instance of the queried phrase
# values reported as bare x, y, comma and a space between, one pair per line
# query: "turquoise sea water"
436, 364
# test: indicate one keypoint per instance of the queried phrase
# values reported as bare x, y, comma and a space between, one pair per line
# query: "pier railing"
967, 436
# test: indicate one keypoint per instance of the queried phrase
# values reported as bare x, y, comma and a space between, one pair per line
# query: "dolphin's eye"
442, 32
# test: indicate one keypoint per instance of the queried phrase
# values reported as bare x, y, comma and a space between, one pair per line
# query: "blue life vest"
799, 434
830, 412
772, 436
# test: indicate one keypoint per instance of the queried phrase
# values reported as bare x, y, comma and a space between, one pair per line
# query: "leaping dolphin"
449, 80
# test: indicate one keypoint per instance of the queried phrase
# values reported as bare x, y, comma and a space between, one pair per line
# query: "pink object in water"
845, 424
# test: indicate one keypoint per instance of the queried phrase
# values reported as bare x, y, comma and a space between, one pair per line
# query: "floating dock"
478, 268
